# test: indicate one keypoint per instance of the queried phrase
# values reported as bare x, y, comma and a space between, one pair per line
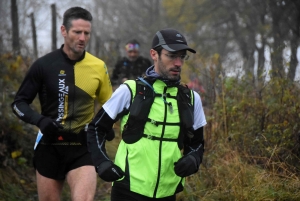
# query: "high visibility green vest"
148, 163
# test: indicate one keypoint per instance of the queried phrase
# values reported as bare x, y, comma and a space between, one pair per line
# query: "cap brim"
177, 47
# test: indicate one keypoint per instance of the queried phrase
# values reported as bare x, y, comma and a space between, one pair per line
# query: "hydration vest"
140, 107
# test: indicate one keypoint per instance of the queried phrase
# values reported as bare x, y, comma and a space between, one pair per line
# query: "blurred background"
246, 70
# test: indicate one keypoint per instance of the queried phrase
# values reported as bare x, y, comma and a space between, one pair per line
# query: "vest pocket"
132, 134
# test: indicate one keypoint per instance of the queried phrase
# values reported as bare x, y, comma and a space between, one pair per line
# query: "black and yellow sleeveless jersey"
67, 90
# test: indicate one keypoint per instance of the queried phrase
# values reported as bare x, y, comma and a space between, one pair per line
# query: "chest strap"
156, 123
150, 137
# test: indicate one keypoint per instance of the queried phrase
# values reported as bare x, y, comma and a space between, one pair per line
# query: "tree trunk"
154, 9
246, 47
294, 43
294, 60
15, 27
278, 45
34, 39
54, 39
98, 46
89, 45
1, 44
261, 63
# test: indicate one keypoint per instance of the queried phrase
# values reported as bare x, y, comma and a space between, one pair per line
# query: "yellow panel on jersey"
91, 81
87, 74
65, 109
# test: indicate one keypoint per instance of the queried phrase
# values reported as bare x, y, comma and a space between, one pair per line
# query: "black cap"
171, 40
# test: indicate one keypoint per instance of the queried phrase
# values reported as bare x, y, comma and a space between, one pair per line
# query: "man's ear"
63, 31
154, 55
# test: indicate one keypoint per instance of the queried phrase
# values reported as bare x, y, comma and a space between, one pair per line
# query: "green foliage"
16, 139
252, 147
224, 175
263, 122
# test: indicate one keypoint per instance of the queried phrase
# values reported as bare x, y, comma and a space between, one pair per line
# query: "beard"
165, 73
76, 50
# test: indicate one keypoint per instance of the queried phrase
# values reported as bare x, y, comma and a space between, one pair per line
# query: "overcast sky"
43, 22
43, 26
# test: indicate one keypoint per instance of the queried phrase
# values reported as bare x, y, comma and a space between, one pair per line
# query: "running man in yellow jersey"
67, 81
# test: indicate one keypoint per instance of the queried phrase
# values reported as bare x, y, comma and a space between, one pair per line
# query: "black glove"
48, 126
187, 165
108, 171
110, 135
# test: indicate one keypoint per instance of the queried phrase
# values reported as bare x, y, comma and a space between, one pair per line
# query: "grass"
226, 174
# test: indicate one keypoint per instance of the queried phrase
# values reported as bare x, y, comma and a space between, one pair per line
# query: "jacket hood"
150, 73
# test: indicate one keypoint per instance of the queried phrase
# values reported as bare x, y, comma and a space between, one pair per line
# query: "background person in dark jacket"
131, 66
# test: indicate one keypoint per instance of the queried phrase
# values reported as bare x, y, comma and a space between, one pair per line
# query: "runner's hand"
110, 135
48, 126
108, 171
187, 165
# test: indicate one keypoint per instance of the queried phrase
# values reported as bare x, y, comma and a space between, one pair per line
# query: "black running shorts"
55, 161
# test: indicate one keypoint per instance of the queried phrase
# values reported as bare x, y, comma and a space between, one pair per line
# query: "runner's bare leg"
48, 189
82, 182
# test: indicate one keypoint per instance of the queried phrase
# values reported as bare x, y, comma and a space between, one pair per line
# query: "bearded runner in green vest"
162, 133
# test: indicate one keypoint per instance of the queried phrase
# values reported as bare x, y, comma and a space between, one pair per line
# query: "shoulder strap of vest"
185, 98
139, 110
185, 101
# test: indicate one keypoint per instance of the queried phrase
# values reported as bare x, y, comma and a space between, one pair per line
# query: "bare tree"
34, 38
15, 27
54, 39
5, 30
294, 23
118, 21
276, 9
